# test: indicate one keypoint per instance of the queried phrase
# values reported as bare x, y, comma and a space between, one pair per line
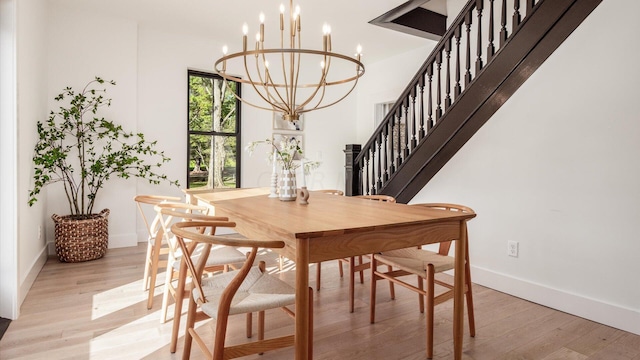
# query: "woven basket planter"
81, 238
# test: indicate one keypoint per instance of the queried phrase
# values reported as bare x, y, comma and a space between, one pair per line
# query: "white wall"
81, 47
556, 169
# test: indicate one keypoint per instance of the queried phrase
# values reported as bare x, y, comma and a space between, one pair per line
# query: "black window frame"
238, 130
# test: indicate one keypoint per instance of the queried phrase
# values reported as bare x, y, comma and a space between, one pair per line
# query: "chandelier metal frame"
281, 94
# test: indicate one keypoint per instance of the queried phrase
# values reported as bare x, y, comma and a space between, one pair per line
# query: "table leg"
458, 293
302, 300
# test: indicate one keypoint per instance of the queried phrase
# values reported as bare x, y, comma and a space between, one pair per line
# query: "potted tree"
83, 151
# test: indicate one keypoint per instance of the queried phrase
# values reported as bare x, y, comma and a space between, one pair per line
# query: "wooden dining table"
333, 227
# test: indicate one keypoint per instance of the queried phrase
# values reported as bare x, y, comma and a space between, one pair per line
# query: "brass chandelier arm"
297, 69
251, 82
322, 84
245, 101
284, 73
335, 102
268, 81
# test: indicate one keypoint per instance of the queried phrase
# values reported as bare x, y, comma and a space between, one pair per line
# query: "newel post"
352, 171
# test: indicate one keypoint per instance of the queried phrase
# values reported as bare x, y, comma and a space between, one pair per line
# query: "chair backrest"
380, 197
152, 200
190, 231
170, 213
446, 245
331, 191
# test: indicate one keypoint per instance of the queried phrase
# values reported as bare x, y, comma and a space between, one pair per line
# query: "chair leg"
318, 271
221, 334
351, 282
340, 268
420, 296
249, 325
147, 267
469, 297
167, 292
191, 320
177, 312
392, 289
372, 294
260, 327
429, 313
155, 260
361, 271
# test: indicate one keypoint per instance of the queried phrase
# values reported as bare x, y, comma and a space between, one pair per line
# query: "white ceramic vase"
287, 188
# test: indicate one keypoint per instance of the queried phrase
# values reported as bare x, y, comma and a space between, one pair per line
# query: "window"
214, 132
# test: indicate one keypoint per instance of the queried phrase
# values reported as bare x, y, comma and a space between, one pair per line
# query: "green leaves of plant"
72, 138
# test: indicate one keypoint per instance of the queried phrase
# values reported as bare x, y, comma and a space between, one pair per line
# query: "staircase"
491, 48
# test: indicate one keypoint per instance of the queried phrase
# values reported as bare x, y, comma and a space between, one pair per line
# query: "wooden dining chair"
250, 289
361, 265
424, 264
155, 248
220, 258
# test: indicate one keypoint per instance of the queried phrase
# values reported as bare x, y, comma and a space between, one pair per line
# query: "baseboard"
592, 309
34, 270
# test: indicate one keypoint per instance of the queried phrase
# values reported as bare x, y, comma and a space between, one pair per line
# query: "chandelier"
284, 78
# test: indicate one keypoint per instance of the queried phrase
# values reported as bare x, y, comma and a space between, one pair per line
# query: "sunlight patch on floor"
140, 338
118, 299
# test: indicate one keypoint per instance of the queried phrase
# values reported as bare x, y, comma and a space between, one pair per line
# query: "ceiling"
224, 18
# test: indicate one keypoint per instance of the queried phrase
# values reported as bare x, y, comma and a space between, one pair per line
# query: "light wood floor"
96, 310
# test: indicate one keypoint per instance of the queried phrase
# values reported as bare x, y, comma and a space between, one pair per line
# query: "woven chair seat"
415, 260
258, 292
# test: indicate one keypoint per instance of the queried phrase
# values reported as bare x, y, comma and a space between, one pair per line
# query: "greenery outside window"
214, 132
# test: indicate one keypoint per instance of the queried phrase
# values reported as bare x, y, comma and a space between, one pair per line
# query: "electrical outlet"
512, 248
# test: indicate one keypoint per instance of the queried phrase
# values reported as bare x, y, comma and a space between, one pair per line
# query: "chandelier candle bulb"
325, 31
261, 27
225, 49
281, 17
245, 31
